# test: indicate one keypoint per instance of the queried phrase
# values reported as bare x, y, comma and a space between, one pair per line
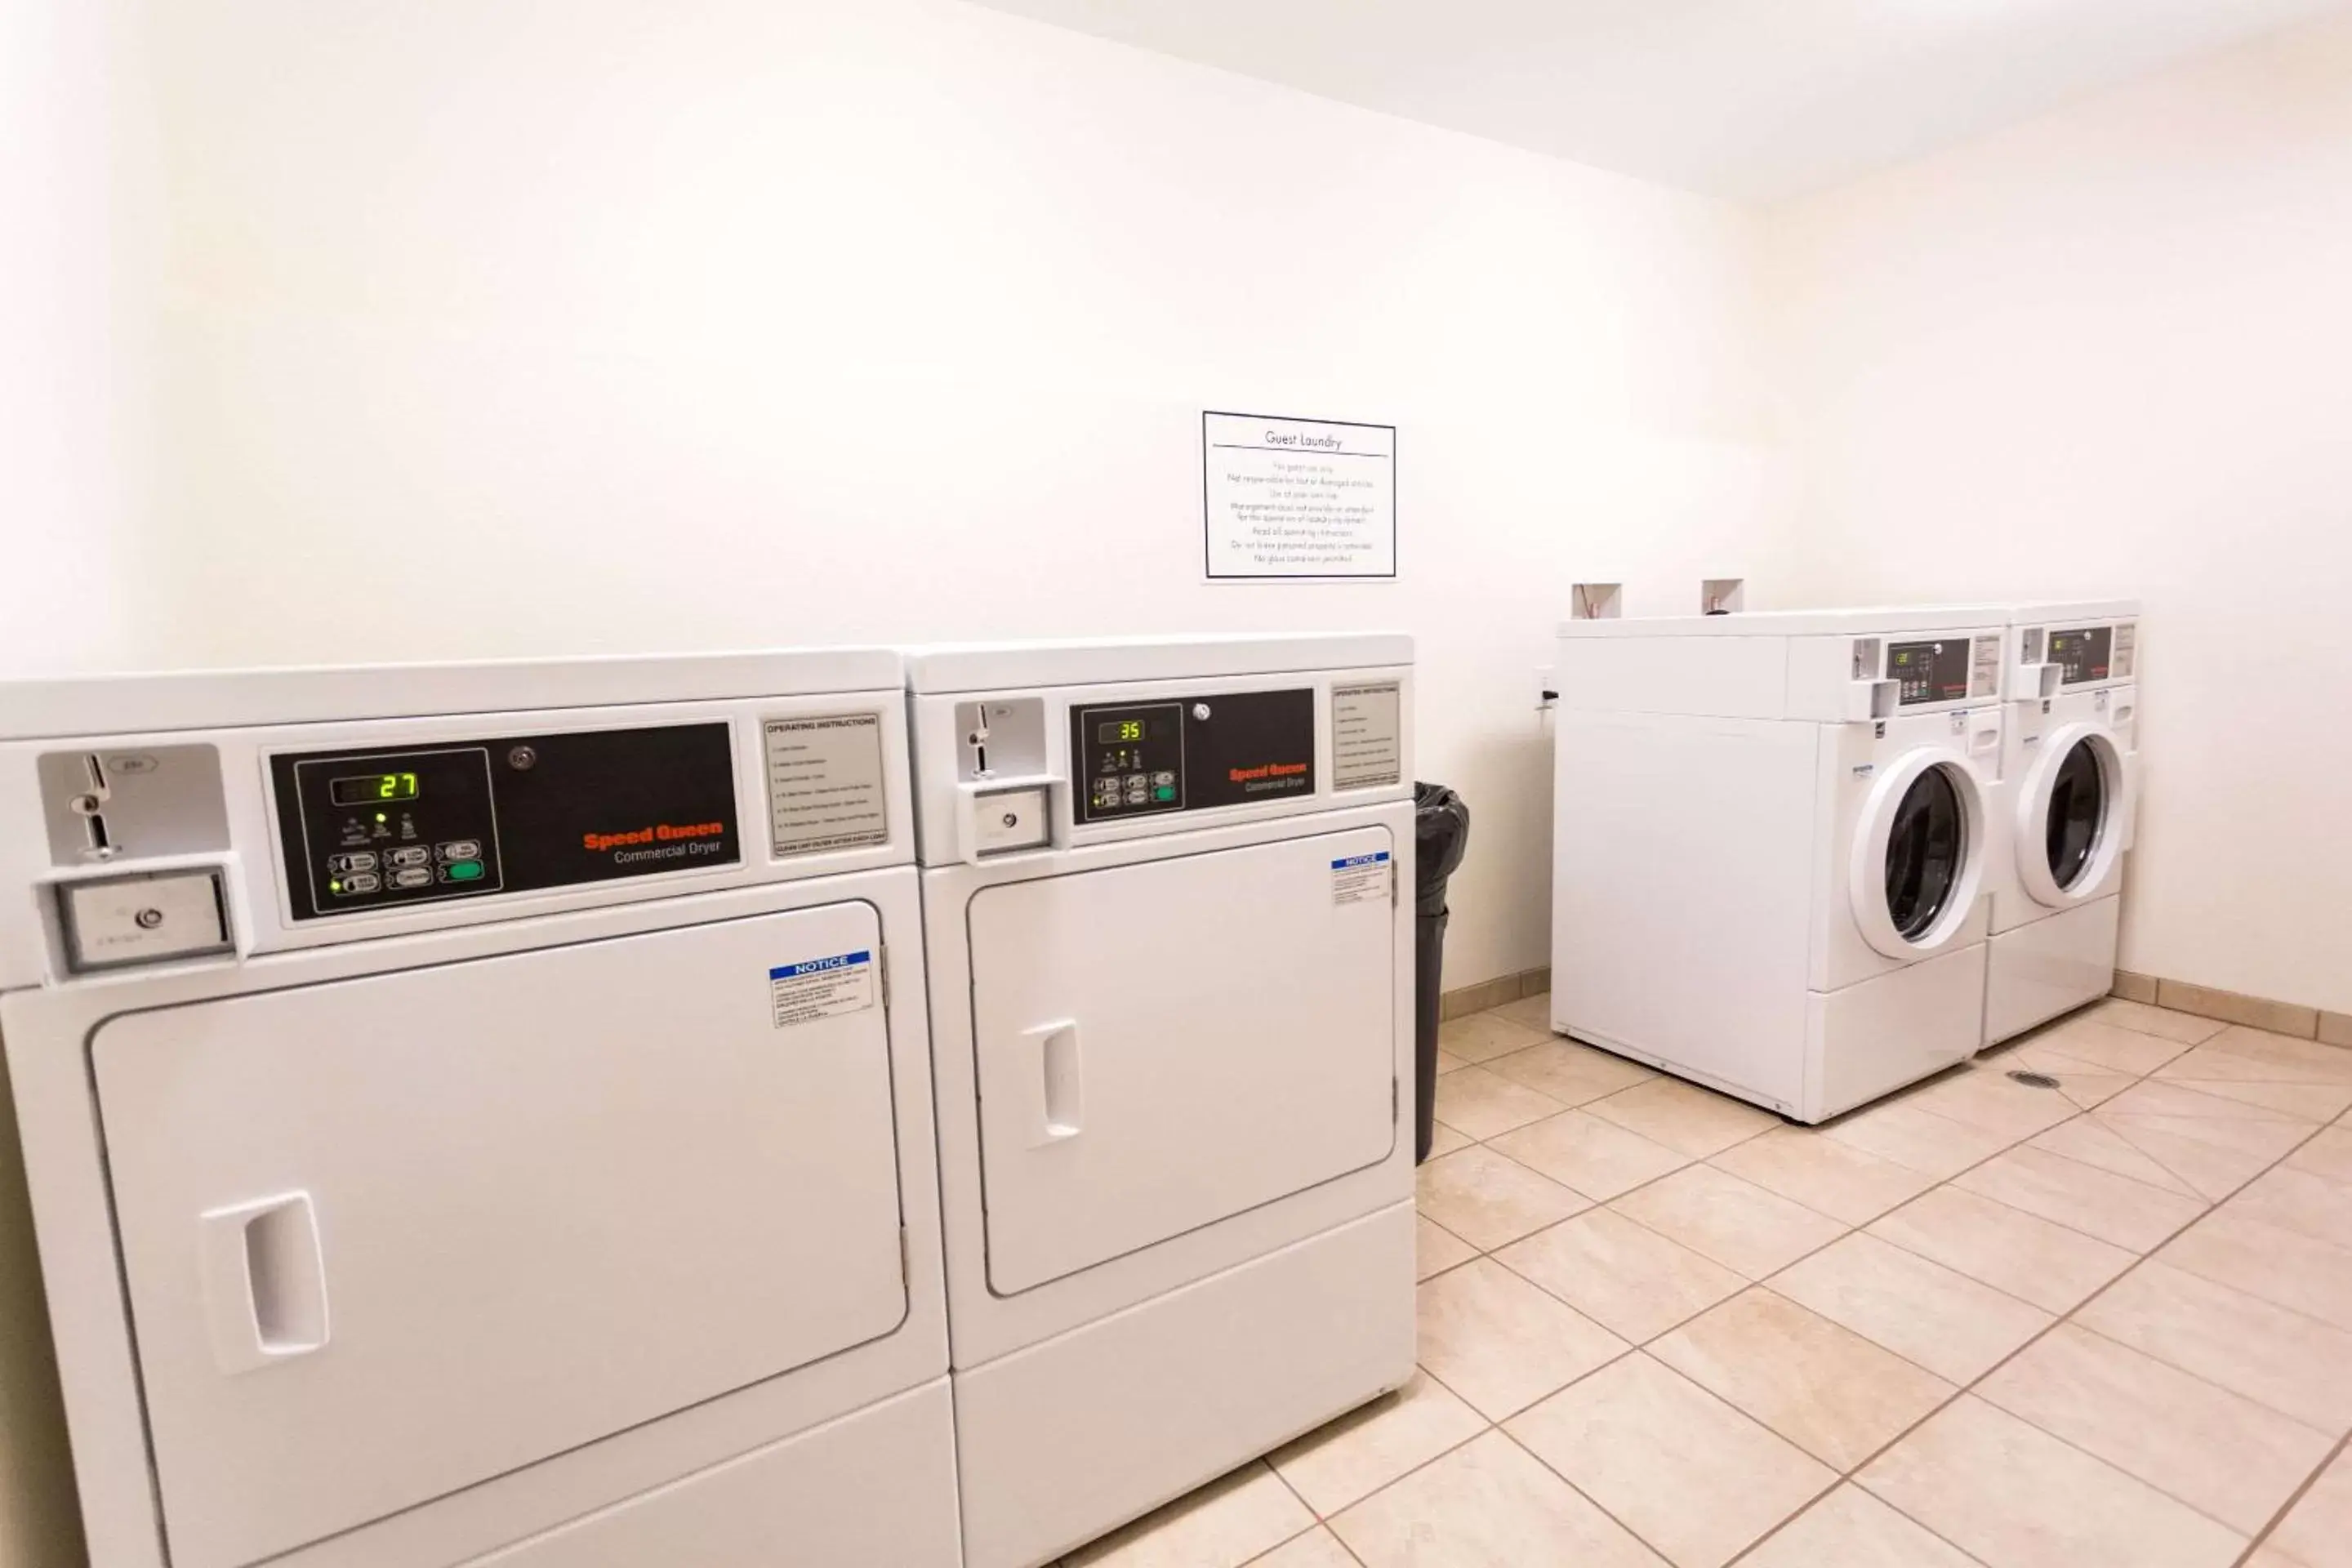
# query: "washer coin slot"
142, 919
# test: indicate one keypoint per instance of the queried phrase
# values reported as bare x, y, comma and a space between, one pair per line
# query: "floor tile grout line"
1455, 1448
1321, 1521
2210, 1204
1752, 1281
1961, 1390
1958, 1390
2049, 1329
1603, 1508
2270, 1527
2151, 1186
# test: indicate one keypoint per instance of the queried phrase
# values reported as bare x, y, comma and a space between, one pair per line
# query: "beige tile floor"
2107, 1325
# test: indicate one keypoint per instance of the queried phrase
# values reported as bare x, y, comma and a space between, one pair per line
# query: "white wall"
70, 467
630, 324
76, 235
2110, 351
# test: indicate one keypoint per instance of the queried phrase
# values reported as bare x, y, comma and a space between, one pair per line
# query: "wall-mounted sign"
1311, 499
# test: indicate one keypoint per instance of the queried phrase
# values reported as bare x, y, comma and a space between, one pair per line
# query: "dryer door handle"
264, 1281
1059, 1109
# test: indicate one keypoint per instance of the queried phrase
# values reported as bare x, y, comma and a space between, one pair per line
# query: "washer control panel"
1944, 669
1191, 753
2085, 654
372, 829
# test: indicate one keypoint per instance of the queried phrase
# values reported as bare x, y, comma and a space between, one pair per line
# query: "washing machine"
2069, 767
1773, 836
1167, 899
470, 1115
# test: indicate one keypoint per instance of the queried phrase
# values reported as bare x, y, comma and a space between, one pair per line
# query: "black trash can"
1441, 832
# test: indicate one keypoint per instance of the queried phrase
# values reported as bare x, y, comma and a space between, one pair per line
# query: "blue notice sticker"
1360, 878
818, 965
821, 987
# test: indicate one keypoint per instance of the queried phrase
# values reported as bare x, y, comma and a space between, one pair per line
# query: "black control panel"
1935, 671
2084, 654
376, 829
1218, 749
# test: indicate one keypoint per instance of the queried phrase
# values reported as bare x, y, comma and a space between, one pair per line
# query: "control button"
462, 871
1139, 797
359, 860
414, 855
1165, 792
1106, 785
1139, 781
414, 877
359, 882
461, 849
1161, 780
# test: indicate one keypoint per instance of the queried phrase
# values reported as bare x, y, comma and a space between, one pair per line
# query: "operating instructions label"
1361, 879
824, 783
821, 988
1367, 735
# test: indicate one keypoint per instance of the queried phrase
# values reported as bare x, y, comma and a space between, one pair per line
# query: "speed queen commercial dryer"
1773, 834
468, 1118
2070, 769
1167, 893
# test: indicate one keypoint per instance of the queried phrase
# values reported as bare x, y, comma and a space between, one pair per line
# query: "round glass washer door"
2078, 810
1926, 849
2069, 816
1918, 853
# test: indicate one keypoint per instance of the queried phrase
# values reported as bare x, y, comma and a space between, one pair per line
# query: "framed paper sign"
1300, 500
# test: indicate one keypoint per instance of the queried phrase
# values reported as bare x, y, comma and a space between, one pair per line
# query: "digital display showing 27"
372, 789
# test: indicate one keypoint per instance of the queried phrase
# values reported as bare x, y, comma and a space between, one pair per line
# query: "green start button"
1165, 792
464, 870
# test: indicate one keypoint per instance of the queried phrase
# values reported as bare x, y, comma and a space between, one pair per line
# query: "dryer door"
385, 1237
1165, 1044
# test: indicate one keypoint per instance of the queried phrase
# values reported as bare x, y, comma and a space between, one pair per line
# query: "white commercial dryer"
467, 1117
1166, 894
1771, 833
2069, 768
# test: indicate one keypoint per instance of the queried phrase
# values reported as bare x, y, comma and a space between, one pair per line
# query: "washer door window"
2078, 806
1918, 854
2072, 816
1926, 849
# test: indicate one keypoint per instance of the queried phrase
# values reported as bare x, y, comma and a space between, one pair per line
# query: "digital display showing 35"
1119, 731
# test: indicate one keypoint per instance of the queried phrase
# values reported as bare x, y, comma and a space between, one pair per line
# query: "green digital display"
1119, 731
372, 789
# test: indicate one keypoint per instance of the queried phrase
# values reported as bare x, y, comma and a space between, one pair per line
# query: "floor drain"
2034, 1079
